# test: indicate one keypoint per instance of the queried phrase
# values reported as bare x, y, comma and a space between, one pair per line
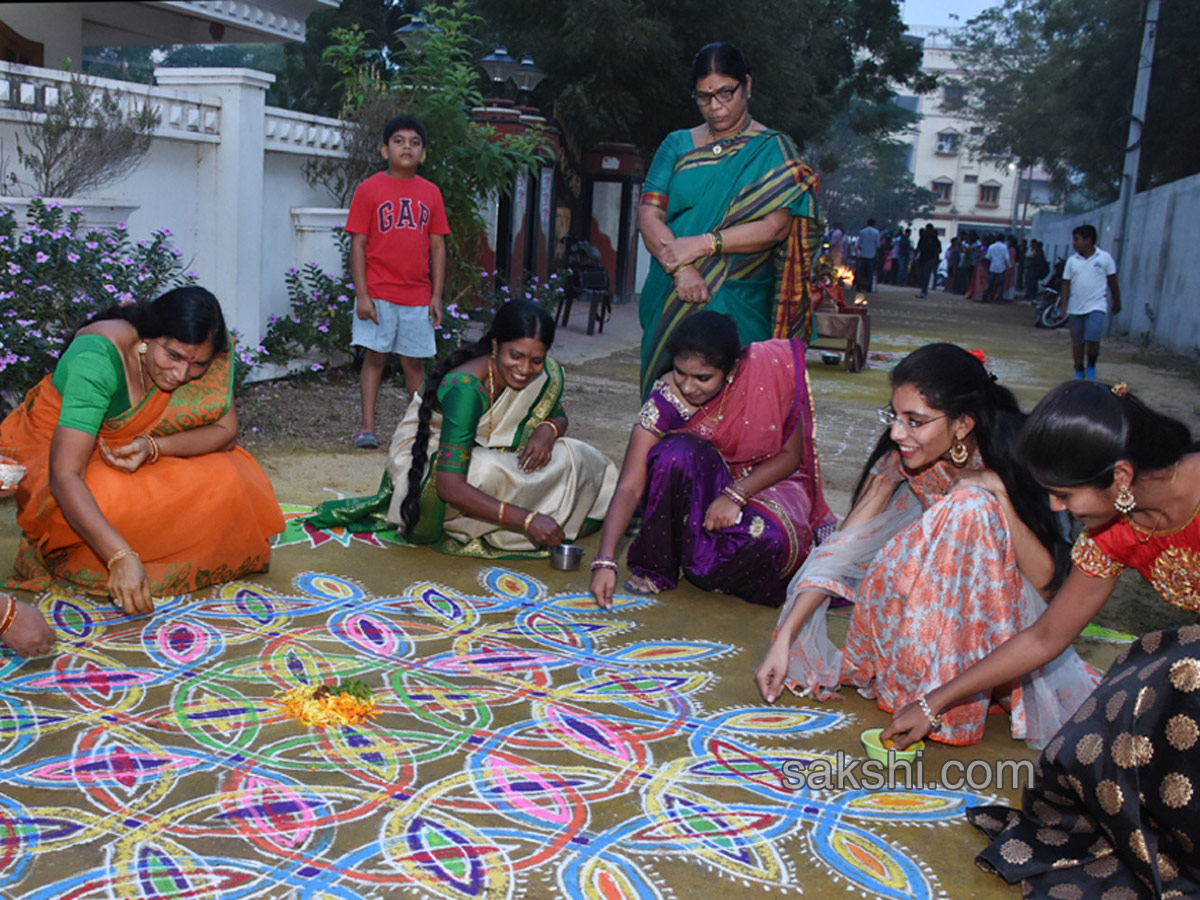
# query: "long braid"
998, 447
410, 508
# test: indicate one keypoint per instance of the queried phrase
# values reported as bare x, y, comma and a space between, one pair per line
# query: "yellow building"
972, 192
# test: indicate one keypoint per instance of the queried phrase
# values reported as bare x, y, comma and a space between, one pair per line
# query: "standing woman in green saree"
728, 214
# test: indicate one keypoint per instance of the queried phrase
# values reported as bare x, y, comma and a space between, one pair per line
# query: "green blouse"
464, 401
90, 377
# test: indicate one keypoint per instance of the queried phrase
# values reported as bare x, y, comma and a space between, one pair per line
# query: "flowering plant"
547, 294
322, 307
320, 319
55, 273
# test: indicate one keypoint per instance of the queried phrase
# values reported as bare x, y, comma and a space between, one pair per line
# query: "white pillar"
229, 244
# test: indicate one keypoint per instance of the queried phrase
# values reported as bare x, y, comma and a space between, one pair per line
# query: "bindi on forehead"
193, 355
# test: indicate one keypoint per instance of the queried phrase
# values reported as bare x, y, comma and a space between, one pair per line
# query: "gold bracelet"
120, 554
718, 243
9, 614
153, 457
712, 243
503, 510
529, 518
675, 271
554, 425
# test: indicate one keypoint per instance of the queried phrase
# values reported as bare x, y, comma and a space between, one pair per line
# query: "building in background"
971, 192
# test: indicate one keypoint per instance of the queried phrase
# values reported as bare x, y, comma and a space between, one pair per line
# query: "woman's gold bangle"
120, 554
718, 242
503, 510
554, 425
9, 615
153, 457
529, 518
675, 271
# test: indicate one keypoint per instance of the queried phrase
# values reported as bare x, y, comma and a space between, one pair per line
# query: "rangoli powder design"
525, 744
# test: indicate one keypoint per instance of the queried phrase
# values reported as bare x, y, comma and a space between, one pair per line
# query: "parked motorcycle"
1046, 307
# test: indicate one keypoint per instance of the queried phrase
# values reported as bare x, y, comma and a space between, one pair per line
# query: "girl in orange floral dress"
946, 554
1114, 809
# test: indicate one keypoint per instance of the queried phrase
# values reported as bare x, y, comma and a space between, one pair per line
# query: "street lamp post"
416, 34
526, 77
500, 67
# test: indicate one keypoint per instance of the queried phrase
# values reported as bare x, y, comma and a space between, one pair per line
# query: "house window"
952, 94
989, 195
971, 179
947, 142
941, 191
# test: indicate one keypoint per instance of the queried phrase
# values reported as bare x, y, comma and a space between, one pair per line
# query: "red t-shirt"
398, 215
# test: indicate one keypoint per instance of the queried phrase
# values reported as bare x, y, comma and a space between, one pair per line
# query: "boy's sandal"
366, 440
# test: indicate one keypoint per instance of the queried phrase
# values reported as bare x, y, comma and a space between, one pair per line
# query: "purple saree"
702, 450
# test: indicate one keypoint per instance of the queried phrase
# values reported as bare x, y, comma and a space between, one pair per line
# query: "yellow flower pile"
321, 706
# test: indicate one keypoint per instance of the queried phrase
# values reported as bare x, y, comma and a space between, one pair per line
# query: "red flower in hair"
979, 355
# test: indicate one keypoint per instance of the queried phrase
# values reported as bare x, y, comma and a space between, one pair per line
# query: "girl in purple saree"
724, 457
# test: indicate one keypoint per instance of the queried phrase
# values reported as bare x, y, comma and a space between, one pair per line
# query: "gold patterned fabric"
1176, 576
1088, 557
1115, 810
1169, 559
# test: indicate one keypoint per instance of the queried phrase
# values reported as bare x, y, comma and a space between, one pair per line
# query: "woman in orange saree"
135, 486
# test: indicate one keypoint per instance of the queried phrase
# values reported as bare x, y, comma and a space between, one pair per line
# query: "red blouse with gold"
1169, 560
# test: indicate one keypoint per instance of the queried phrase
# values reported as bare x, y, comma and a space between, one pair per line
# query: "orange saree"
194, 521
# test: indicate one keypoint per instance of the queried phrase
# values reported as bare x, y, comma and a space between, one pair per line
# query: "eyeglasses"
890, 417
721, 95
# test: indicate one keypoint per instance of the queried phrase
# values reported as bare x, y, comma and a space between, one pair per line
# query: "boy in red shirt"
398, 229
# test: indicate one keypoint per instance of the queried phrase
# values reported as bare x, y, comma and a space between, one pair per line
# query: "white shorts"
405, 330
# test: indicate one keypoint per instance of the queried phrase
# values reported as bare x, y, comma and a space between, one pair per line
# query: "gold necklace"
1161, 513
717, 147
721, 405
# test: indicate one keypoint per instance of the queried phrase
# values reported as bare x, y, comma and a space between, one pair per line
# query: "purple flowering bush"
55, 273
321, 309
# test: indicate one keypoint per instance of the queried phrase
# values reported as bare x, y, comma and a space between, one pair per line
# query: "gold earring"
142, 348
1124, 502
959, 454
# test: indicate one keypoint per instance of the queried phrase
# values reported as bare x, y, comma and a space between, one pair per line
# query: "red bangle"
9, 615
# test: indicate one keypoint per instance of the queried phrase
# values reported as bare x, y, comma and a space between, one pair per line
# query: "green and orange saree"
194, 521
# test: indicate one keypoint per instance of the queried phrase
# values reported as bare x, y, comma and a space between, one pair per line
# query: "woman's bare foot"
641, 584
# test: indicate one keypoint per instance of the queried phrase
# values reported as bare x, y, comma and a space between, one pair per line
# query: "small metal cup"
11, 474
566, 557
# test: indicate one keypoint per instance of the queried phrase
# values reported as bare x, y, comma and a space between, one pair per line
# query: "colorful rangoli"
526, 744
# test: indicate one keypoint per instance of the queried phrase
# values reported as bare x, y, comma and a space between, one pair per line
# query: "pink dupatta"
749, 422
